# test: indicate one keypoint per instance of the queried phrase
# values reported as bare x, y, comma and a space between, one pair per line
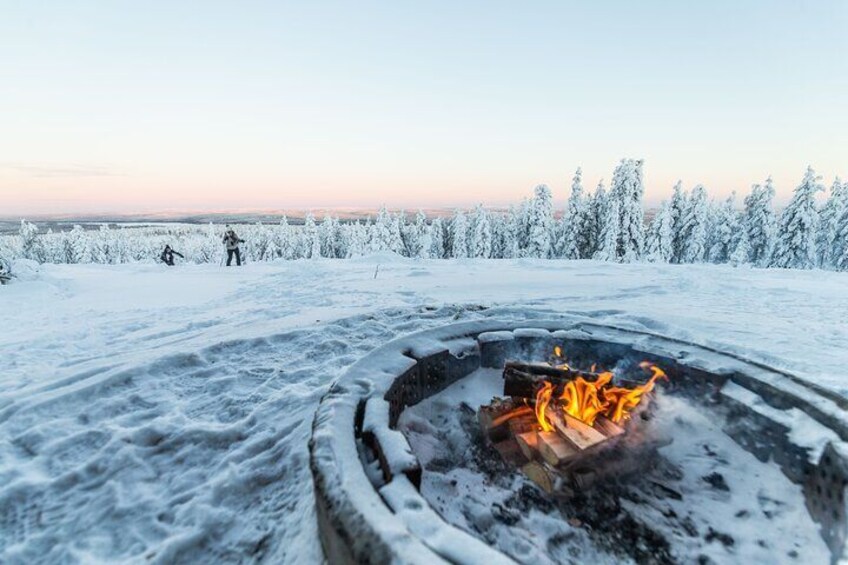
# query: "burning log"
608, 427
582, 436
495, 419
522, 380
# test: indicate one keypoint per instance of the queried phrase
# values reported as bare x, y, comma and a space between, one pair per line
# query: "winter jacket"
232, 240
167, 256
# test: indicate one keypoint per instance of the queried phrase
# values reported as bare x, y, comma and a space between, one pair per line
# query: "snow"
151, 413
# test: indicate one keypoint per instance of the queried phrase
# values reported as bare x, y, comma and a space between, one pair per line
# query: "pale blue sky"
142, 106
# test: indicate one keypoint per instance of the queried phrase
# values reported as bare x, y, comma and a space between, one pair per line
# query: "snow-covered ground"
162, 414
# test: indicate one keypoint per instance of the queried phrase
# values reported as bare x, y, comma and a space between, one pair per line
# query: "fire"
543, 398
586, 400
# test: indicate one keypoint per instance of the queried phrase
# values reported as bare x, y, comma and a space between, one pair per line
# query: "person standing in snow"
167, 256
231, 241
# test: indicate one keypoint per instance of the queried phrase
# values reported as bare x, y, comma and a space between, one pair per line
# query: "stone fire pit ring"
359, 523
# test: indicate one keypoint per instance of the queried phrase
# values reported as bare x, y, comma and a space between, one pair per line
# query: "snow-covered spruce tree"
311, 239
679, 204
798, 228
414, 236
742, 251
437, 239
76, 248
480, 244
840, 243
693, 227
609, 238
574, 221
627, 189
208, 249
759, 223
395, 232
660, 237
829, 216
595, 211
498, 233
724, 231
357, 240
540, 215
101, 246
31, 245
512, 233
459, 236
381, 231
325, 236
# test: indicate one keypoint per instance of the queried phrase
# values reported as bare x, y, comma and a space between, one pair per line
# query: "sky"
134, 107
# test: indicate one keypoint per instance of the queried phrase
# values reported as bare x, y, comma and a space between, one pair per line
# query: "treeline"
606, 225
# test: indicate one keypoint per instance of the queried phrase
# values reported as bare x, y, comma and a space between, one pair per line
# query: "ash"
702, 499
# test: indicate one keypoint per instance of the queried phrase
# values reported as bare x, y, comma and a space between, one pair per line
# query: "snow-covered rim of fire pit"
358, 523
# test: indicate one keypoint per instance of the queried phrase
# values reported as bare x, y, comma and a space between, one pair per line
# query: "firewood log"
522, 380
528, 443
494, 418
607, 427
548, 478
554, 449
579, 434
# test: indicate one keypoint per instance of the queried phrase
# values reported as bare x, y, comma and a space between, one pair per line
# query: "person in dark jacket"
231, 240
167, 256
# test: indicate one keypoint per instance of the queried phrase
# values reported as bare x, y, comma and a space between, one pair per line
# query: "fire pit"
719, 457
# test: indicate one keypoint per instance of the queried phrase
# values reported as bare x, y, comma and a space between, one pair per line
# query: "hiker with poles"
167, 256
231, 240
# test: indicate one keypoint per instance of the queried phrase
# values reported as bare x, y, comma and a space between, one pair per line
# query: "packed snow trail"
162, 414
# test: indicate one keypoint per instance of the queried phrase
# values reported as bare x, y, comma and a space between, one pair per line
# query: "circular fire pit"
368, 478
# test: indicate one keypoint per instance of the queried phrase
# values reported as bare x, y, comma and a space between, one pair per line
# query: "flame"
586, 400
543, 398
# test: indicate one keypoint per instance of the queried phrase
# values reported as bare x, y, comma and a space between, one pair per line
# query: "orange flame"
543, 398
587, 400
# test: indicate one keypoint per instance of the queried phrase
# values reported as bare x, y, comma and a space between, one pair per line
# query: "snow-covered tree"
724, 231
415, 237
798, 229
31, 245
311, 239
437, 239
480, 243
459, 235
573, 240
679, 204
395, 233
693, 227
829, 217
381, 231
759, 224
357, 240
103, 246
75, 245
609, 239
660, 243
539, 224
840, 242
595, 211
742, 251
512, 228
627, 189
